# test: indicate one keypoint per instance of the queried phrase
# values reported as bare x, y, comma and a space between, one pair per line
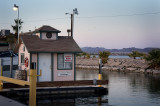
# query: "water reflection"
128, 89
125, 89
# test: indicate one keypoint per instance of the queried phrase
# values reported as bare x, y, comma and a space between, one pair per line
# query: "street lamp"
72, 19
16, 8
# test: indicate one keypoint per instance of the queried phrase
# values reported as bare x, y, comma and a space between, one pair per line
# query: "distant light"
15, 8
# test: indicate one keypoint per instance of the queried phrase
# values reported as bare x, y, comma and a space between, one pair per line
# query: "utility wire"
45, 20
109, 16
125, 15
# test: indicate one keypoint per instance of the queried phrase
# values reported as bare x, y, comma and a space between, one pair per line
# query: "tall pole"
18, 25
11, 64
72, 19
100, 71
72, 25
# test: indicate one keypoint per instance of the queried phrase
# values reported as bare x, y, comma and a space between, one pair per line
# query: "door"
45, 66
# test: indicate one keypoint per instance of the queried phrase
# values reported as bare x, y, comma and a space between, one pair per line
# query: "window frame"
64, 62
22, 63
23, 48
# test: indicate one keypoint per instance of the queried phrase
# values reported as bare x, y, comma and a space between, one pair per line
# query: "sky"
112, 24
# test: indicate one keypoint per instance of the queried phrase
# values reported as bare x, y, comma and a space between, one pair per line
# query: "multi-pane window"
22, 58
64, 61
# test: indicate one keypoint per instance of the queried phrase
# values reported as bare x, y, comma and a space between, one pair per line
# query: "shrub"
104, 56
154, 58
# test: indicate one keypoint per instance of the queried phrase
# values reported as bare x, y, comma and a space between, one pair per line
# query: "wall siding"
62, 78
26, 54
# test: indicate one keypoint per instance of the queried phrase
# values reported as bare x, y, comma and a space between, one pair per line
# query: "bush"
104, 56
135, 54
154, 58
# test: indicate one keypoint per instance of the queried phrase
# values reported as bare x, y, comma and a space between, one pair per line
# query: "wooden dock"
57, 90
52, 94
60, 84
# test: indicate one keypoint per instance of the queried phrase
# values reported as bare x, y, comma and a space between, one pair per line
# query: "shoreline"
117, 65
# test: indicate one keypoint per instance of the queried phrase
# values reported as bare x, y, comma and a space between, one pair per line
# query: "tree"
11, 41
104, 56
15, 27
135, 54
88, 56
154, 58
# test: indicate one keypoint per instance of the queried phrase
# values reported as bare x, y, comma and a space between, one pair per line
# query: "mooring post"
99, 101
1, 67
32, 92
1, 74
1, 85
100, 71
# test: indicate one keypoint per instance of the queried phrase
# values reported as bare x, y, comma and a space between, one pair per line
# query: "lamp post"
16, 8
72, 19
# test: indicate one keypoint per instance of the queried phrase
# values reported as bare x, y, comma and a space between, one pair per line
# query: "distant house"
54, 55
3, 44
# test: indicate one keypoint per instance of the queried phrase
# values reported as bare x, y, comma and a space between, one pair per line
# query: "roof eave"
55, 51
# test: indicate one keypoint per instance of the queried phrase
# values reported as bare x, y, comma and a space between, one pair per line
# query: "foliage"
84, 54
88, 56
15, 27
94, 56
135, 54
11, 41
104, 56
154, 58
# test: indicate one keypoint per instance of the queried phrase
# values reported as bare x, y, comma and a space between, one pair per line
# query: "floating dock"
56, 91
53, 94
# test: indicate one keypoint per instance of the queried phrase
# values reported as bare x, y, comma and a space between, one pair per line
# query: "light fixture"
15, 7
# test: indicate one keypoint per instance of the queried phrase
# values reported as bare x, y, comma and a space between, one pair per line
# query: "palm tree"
154, 58
15, 27
104, 56
11, 40
135, 54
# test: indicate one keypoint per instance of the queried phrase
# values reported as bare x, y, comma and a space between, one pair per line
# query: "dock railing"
32, 84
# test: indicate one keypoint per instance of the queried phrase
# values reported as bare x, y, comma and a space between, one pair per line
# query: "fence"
5, 66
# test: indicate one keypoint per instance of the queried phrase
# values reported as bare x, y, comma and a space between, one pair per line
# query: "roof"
64, 44
46, 28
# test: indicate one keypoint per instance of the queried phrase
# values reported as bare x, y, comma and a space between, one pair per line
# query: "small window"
49, 35
64, 61
24, 48
22, 58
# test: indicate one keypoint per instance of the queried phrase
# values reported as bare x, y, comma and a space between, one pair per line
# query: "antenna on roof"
75, 11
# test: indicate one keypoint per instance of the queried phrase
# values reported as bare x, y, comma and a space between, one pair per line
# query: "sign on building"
67, 57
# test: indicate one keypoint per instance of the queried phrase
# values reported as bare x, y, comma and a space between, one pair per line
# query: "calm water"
127, 89
124, 89
119, 56
111, 56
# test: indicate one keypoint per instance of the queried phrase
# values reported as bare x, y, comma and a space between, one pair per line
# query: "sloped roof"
64, 44
46, 28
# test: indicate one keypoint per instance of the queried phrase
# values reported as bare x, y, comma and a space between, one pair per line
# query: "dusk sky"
100, 23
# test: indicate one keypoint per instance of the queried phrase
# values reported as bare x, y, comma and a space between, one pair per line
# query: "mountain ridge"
96, 50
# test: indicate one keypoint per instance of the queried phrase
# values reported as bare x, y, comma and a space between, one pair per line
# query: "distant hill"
96, 50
